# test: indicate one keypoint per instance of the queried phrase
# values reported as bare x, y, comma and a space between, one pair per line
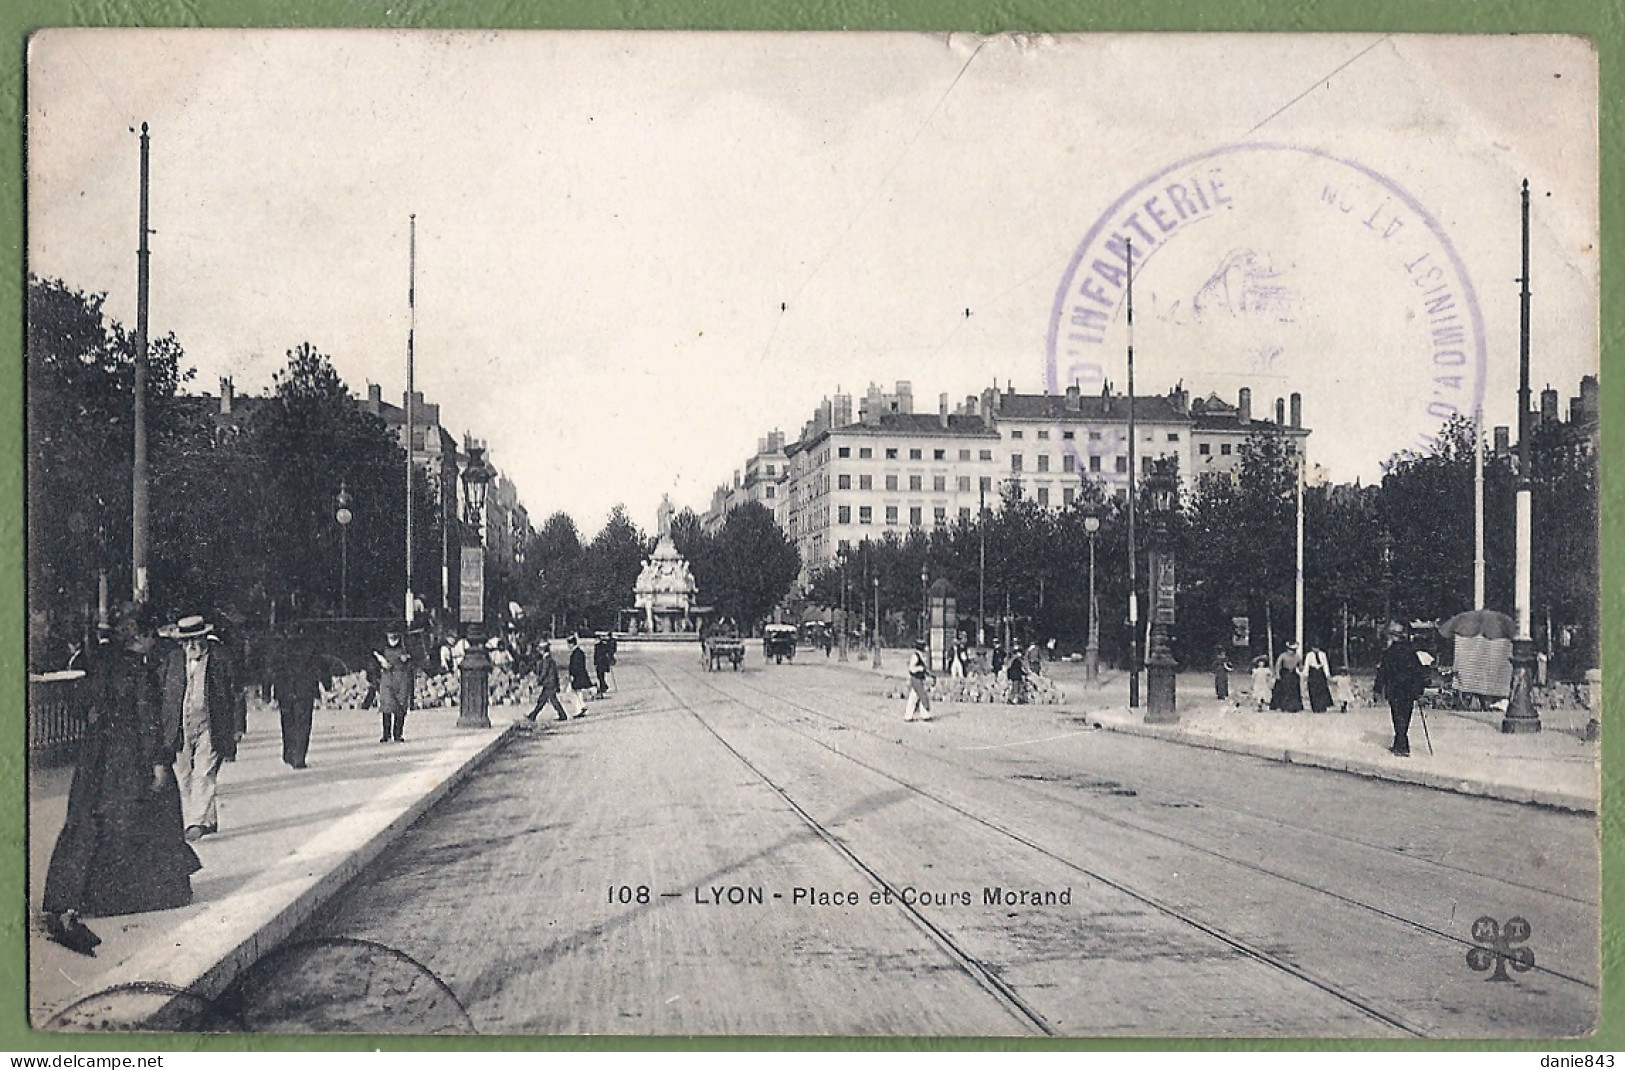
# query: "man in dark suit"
1402, 678
548, 675
203, 718
580, 682
297, 676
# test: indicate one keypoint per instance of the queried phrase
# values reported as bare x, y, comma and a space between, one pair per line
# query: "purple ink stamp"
1283, 269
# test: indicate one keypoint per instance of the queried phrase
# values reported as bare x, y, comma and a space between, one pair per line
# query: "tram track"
1241, 946
1117, 820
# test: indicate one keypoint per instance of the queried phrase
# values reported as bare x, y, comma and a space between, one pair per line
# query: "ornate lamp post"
1159, 661
473, 706
1091, 652
344, 516
876, 581
925, 611
1521, 715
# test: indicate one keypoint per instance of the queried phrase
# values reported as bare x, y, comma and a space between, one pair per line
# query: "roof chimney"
1503, 441
1548, 405
1073, 399
942, 409
227, 395
1297, 410
375, 398
1244, 407
1280, 412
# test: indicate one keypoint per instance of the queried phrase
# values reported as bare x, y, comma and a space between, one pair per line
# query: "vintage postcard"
561, 533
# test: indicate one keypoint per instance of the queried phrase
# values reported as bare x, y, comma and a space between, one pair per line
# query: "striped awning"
1483, 666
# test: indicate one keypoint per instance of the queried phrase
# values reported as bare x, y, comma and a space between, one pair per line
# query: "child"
1263, 682
1343, 688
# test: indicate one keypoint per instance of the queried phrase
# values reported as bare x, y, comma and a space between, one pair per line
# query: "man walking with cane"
1402, 678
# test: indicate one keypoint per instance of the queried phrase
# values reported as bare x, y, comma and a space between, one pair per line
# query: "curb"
217, 970
1555, 800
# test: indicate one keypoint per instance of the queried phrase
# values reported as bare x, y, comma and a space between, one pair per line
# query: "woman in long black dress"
1317, 674
122, 849
1287, 695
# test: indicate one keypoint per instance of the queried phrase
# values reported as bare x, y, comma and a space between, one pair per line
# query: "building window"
939, 483
1094, 462
939, 515
914, 483
1204, 448
865, 514
891, 514
1069, 463
891, 453
864, 453
844, 451
964, 455
1145, 464
1173, 436
913, 516
1122, 465
1043, 462
891, 482
1068, 435
844, 546
1043, 495
770, 490
939, 455
770, 471
1015, 462
986, 455
843, 482
987, 484
1224, 449
913, 455
962, 484
866, 482
844, 514
1068, 495
1017, 433
1043, 436
964, 512
1094, 436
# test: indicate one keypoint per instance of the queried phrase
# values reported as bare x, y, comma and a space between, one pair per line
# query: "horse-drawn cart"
718, 649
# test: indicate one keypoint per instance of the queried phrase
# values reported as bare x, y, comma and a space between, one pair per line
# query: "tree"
555, 555
80, 391
610, 568
749, 567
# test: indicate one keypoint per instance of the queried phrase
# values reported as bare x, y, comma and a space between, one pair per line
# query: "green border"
1603, 22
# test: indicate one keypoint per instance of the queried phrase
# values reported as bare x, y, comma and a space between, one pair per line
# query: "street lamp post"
473, 707
925, 611
1521, 715
344, 516
1159, 661
1091, 652
876, 581
843, 606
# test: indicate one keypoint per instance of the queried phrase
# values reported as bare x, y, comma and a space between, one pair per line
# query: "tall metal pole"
844, 610
139, 507
1521, 715
1478, 507
1091, 656
1133, 588
877, 622
1303, 464
411, 332
981, 562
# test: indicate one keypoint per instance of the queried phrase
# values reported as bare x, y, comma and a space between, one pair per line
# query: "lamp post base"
474, 702
1521, 715
1091, 665
1160, 698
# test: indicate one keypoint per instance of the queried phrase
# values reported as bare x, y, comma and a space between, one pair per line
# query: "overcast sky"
636, 254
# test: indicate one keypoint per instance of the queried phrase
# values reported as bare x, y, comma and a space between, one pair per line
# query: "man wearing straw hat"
201, 719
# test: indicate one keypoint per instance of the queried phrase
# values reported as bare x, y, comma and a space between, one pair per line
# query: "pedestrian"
122, 849
1287, 696
397, 672
998, 658
1261, 682
601, 663
957, 666
547, 673
1221, 673
1317, 677
1403, 678
1016, 673
918, 693
298, 675
1343, 688
1034, 660
580, 682
202, 720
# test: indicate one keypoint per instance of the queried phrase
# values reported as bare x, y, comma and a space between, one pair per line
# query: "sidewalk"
1470, 755
288, 842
